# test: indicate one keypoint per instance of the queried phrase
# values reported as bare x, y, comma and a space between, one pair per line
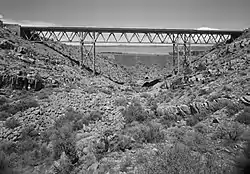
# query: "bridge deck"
131, 30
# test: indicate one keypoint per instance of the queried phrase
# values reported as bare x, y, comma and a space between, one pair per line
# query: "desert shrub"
26, 145
8, 147
32, 154
100, 147
164, 97
119, 142
65, 167
29, 132
149, 132
178, 159
201, 128
22, 94
12, 123
166, 160
5, 107
135, 112
169, 118
5, 167
44, 152
242, 162
44, 93
72, 117
201, 67
107, 166
193, 120
233, 108
125, 163
25, 152
177, 132
63, 140
152, 104
94, 116
45, 135
195, 141
4, 115
229, 131
26, 104
3, 100
121, 101
244, 117
22, 105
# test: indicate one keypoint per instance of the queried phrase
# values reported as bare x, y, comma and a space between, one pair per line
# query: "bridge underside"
88, 35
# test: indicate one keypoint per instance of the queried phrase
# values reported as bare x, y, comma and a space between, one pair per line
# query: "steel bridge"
92, 36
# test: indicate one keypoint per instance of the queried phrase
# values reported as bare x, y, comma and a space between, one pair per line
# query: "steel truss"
126, 35
88, 35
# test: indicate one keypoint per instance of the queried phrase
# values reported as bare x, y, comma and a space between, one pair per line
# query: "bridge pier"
173, 61
94, 53
181, 61
176, 57
89, 52
81, 51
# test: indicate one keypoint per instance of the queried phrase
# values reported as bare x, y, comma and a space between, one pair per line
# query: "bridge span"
93, 35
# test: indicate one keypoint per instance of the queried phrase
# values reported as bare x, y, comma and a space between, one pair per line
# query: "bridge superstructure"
93, 35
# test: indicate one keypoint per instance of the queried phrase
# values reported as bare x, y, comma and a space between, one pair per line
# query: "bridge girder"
126, 35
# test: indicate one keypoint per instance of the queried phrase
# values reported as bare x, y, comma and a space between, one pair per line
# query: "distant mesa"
206, 28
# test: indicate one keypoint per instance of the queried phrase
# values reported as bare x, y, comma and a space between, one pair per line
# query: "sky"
216, 14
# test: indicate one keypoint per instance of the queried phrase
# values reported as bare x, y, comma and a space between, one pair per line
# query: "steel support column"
173, 55
94, 52
178, 56
187, 53
81, 50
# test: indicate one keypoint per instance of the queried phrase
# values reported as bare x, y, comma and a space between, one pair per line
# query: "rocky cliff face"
52, 63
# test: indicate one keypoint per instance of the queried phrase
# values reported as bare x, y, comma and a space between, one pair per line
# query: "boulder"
151, 83
245, 100
185, 109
